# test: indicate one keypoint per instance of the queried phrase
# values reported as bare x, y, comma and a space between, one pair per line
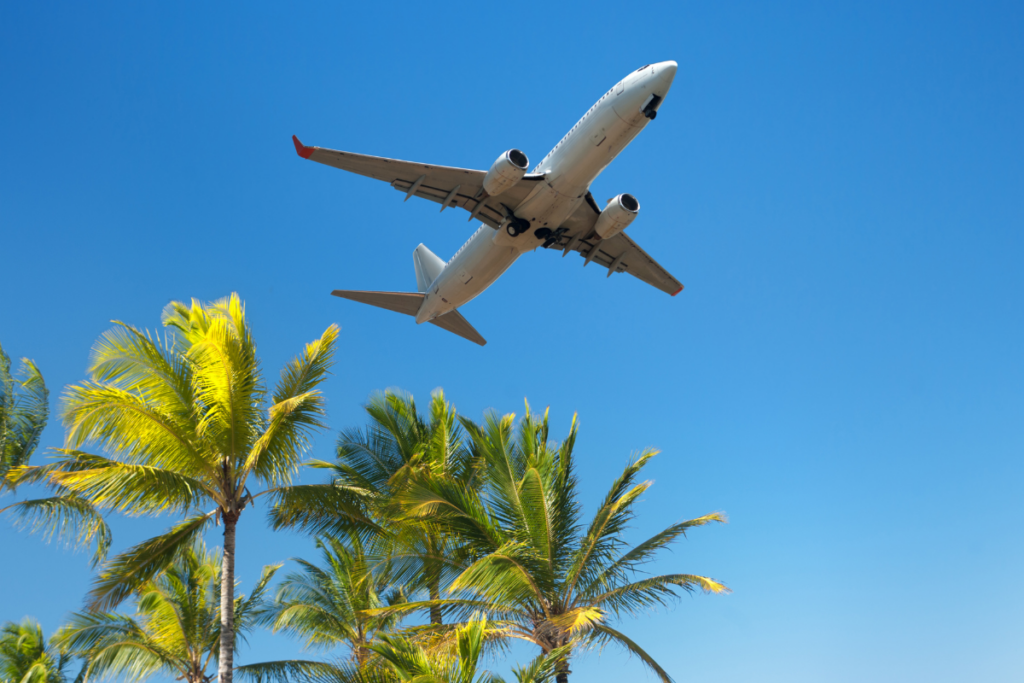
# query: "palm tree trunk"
435, 594
226, 660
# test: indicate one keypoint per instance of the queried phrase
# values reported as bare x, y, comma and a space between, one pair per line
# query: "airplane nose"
665, 72
661, 80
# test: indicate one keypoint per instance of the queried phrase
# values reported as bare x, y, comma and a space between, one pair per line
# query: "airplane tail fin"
428, 267
409, 304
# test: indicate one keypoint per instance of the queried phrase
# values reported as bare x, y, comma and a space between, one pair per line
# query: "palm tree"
25, 657
375, 464
185, 422
24, 412
327, 605
544, 577
412, 663
176, 627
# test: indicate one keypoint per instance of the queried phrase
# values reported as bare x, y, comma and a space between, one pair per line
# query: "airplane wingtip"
301, 149
678, 290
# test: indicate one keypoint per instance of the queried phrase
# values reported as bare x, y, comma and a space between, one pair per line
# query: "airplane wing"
446, 185
618, 254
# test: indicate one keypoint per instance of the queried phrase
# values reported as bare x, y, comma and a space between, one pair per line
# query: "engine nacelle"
508, 170
617, 216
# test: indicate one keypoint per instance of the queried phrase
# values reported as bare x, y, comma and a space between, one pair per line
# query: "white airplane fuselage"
568, 170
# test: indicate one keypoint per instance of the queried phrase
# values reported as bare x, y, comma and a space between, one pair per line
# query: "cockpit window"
642, 68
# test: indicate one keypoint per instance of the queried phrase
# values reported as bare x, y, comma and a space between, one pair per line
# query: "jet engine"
505, 172
617, 216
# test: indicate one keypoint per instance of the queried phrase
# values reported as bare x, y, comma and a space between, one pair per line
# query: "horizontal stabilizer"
399, 302
409, 304
454, 322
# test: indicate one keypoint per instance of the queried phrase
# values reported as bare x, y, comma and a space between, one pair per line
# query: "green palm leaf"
126, 573
182, 421
24, 410
175, 629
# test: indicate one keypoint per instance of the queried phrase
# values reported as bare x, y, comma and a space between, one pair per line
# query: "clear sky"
841, 189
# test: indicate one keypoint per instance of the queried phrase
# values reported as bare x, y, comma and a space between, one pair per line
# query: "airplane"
549, 207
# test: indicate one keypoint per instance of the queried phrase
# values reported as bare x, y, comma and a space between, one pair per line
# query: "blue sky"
839, 187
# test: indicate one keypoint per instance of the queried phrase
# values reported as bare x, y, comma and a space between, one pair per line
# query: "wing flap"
461, 186
620, 254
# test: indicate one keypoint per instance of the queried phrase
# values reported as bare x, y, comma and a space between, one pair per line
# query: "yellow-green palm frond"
132, 427
116, 646
603, 539
579, 619
409, 662
307, 671
175, 629
227, 382
644, 552
504, 576
331, 604
297, 410
412, 662
128, 571
544, 667
249, 609
128, 488
638, 597
144, 364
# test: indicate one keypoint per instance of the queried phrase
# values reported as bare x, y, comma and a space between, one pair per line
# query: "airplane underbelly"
469, 276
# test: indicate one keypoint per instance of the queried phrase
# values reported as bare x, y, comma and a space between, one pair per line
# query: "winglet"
678, 290
304, 152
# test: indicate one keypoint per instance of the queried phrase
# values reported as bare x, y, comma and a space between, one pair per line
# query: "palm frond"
125, 573
249, 609
537, 524
140, 363
132, 489
579, 619
603, 536
644, 552
544, 667
639, 596
228, 384
131, 427
602, 635
505, 577
67, 517
297, 410
24, 411
305, 671
25, 656
321, 510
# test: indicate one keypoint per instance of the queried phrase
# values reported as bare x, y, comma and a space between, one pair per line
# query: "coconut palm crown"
327, 604
374, 465
175, 630
24, 412
185, 422
542, 574
26, 657
411, 662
